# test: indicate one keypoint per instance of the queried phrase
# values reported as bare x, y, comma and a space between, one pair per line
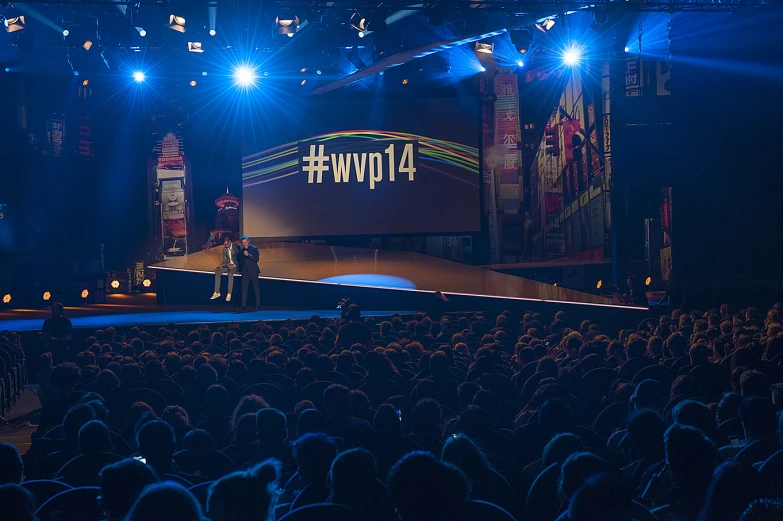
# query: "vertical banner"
55, 135
633, 77
666, 224
507, 170
171, 189
663, 76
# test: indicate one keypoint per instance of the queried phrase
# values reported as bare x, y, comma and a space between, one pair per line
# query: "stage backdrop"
363, 167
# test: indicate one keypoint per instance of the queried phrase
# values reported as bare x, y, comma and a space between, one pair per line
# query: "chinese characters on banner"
55, 135
507, 170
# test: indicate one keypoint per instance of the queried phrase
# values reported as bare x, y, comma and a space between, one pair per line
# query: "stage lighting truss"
364, 24
287, 23
195, 47
177, 23
14, 24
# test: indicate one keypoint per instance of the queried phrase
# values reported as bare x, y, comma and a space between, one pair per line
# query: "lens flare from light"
572, 56
245, 76
139, 77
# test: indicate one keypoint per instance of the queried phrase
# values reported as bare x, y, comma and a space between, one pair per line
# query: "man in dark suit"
249, 271
228, 265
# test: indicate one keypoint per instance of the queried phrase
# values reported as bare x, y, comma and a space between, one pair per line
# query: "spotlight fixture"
146, 283
244, 76
142, 32
66, 32
85, 83
599, 284
6, 298
485, 47
85, 293
204, 73
115, 284
195, 47
192, 83
648, 281
87, 45
14, 24
364, 24
303, 69
303, 82
318, 72
177, 23
212, 32
572, 56
520, 63
287, 23
627, 49
405, 81
522, 40
546, 25
46, 295
138, 77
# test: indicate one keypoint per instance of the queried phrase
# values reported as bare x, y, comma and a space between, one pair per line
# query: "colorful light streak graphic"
280, 162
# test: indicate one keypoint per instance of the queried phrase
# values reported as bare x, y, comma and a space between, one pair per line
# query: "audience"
415, 419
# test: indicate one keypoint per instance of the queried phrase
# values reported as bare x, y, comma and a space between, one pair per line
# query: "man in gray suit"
229, 264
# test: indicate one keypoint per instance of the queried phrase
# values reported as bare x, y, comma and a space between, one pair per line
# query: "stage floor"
141, 310
385, 269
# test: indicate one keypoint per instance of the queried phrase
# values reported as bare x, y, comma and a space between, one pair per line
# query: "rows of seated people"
468, 416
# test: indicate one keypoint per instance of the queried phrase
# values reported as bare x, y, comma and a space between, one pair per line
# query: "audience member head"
156, 443
121, 484
245, 496
733, 488
94, 438
17, 503
271, 427
754, 383
559, 448
759, 418
11, 466
314, 453
603, 497
352, 477
691, 457
577, 469
167, 501
425, 489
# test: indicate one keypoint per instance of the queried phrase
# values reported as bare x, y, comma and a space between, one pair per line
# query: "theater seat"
323, 512
477, 510
45, 489
77, 504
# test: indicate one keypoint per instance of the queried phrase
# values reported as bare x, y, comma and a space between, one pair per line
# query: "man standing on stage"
249, 271
229, 264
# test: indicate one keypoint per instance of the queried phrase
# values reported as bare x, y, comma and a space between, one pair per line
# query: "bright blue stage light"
627, 49
244, 76
572, 56
482, 69
8, 69
139, 77
520, 63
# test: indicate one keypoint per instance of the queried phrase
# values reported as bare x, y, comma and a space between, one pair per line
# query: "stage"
127, 310
307, 276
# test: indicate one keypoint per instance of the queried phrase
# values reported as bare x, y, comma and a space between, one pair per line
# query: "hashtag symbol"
315, 165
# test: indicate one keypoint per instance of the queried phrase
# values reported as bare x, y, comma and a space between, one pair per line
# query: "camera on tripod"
343, 306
